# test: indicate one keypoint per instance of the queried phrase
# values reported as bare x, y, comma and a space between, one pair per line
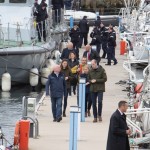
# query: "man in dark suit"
84, 29
91, 54
118, 129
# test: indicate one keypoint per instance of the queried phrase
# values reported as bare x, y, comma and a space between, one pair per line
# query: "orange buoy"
138, 88
16, 135
122, 47
24, 134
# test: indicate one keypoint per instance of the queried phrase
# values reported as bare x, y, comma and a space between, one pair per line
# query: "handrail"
132, 74
134, 126
145, 69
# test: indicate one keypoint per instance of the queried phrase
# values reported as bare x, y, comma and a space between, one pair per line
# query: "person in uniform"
104, 37
111, 46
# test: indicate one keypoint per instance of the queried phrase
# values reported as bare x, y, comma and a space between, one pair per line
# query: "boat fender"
16, 134
6, 82
34, 78
44, 73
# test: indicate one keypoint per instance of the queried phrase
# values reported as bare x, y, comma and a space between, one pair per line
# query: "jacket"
66, 52
74, 34
111, 39
56, 86
93, 55
84, 26
83, 75
58, 4
73, 65
117, 137
97, 22
100, 76
41, 15
104, 34
67, 73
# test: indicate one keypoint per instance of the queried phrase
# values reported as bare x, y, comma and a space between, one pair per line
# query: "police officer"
57, 6
111, 46
84, 29
75, 36
104, 37
96, 38
97, 21
114, 32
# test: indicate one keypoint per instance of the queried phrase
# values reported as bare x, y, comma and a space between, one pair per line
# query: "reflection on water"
11, 108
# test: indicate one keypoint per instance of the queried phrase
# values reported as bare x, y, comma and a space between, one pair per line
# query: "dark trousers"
83, 36
104, 47
56, 107
65, 100
110, 54
88, 102
98, 48
41, 31
95, 96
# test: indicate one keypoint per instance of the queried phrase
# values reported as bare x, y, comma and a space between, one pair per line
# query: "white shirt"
120, 111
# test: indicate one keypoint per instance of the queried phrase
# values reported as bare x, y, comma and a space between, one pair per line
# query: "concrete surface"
55, 136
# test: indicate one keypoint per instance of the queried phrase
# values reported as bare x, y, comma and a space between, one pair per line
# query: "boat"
19, 48
91, 17
134, 29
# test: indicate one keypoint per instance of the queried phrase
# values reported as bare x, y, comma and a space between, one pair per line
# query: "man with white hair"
68, 50
56, 86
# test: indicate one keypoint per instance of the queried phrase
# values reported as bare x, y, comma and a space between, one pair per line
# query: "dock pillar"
82, 82
74, 115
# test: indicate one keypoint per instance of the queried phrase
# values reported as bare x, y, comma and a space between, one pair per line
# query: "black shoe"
115, 63
54, 120
74, 92
59, 119
108, 64
64, 114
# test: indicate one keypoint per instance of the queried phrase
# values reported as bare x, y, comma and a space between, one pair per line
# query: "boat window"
1, 1
17, 1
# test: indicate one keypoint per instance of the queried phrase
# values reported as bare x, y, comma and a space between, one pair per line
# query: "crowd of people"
65, 78
72, 68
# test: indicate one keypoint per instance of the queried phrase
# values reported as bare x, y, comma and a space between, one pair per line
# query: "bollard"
74, 114
82, 82
71, 22
79, 118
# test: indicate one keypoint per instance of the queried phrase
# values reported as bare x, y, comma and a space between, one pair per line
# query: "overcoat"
117, 137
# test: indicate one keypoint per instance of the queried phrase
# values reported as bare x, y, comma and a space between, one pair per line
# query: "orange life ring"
16, 135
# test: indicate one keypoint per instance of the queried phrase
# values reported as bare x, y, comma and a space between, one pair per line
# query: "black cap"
84, 17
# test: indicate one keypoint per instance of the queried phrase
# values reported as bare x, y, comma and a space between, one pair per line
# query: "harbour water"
11, 108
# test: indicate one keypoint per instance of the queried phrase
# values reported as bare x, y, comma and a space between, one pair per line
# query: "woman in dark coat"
74, 66
118, 131
65, 69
